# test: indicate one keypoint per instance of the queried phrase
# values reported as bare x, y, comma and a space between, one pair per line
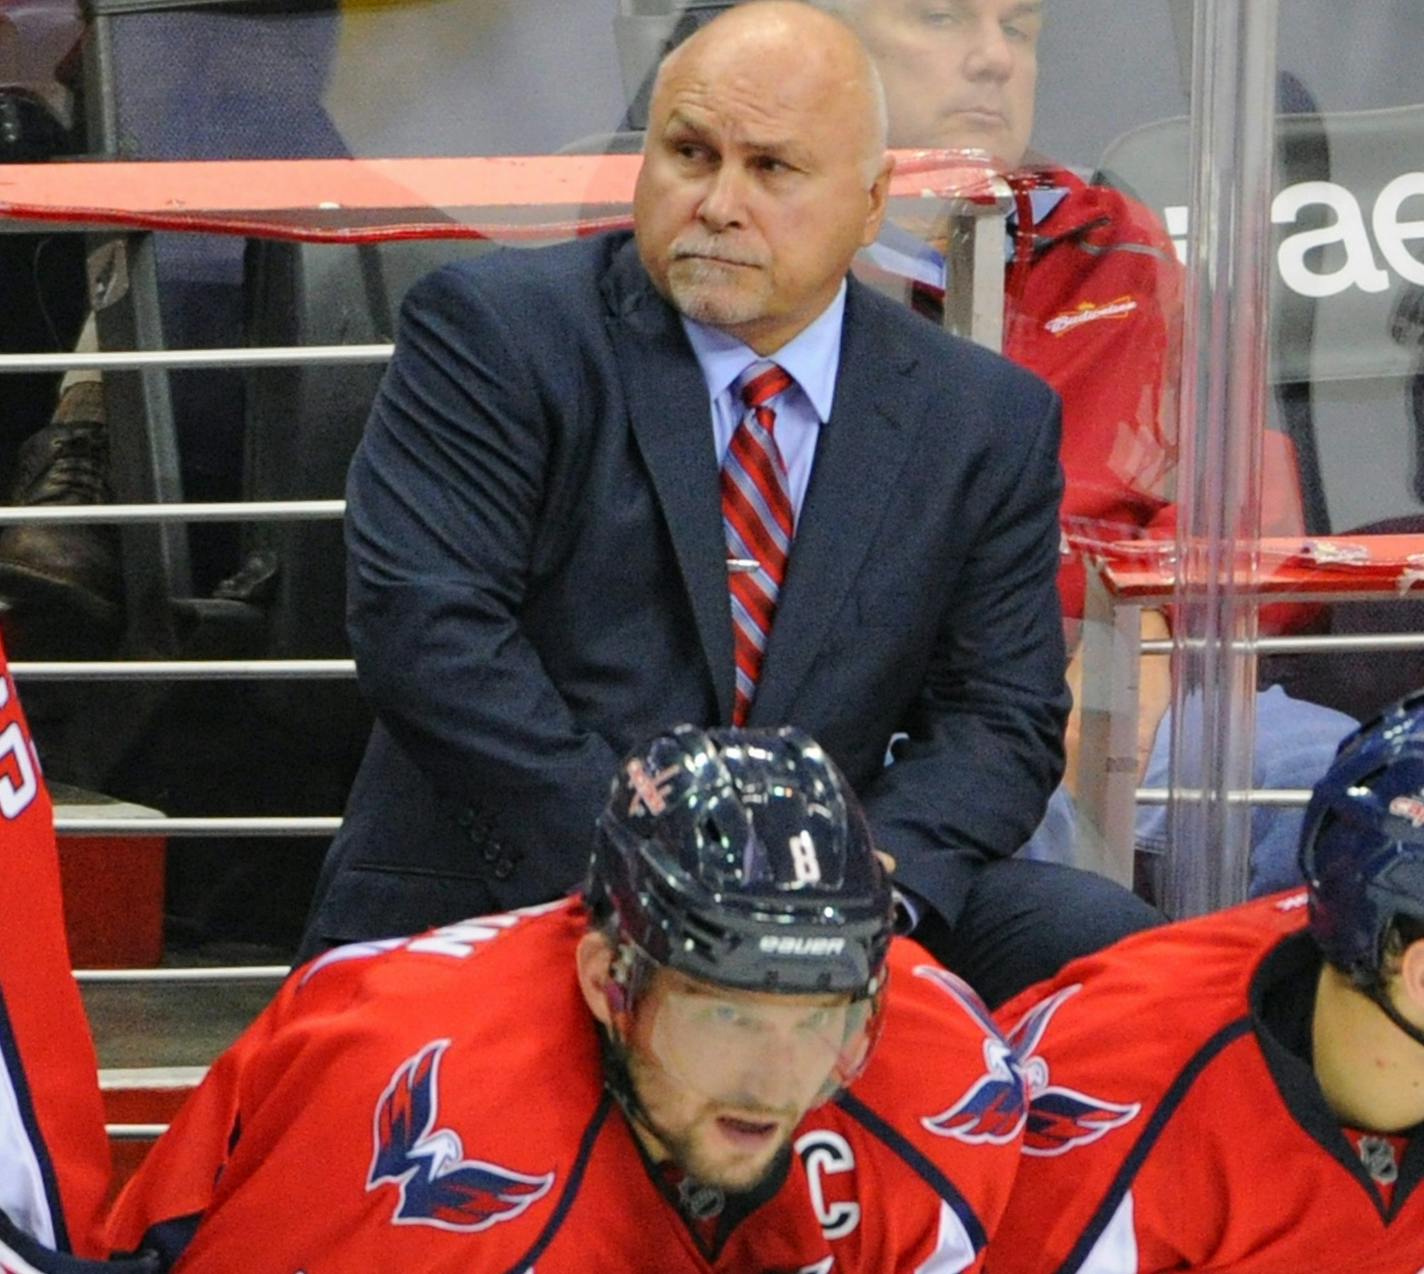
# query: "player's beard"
687, 1144
683, 1149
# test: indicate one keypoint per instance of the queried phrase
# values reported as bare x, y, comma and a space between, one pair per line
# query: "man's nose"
723, 204
781, 1073
772, 1085
990, 55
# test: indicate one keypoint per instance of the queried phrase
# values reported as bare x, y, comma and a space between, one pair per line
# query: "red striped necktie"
759, 523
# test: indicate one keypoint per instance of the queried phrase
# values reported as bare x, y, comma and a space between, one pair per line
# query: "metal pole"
1223, 417
170, 827
233, 511
244, 356
187, 670
215, 973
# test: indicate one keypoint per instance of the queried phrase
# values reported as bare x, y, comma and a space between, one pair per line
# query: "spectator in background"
1093, 294
540, 562
184, 85
64, 587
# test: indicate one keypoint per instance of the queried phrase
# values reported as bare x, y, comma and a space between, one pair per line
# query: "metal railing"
212, 973
131, 514
240, 356
1113, 646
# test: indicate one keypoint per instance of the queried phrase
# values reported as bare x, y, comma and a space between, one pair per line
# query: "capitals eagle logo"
438, 1185
1014, 1090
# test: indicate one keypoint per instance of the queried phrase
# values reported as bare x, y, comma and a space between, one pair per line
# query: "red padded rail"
1308, 569
366, 200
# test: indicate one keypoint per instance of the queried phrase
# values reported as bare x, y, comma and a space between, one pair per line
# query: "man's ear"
1411, 978
879, 201
594, 962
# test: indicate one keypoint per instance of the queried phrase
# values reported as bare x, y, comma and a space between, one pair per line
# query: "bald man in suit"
540, 560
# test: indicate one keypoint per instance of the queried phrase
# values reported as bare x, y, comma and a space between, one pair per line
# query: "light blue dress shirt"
812, 358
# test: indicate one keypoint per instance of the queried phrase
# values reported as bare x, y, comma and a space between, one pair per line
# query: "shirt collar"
812, 357
1043, 202
906, 254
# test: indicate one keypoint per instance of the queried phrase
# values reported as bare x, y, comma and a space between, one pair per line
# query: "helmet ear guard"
628, 977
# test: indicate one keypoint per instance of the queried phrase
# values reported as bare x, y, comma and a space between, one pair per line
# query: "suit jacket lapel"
672, 424
861, 449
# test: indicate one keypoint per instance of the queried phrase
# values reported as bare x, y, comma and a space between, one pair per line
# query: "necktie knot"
761, 382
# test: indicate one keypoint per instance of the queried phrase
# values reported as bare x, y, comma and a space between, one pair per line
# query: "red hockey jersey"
437, 1104
1093, 304
1175, 1122
54, 1158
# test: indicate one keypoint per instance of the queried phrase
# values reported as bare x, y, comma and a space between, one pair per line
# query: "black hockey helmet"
742, 858
1362, 843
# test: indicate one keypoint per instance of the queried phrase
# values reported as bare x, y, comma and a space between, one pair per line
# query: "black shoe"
61, 581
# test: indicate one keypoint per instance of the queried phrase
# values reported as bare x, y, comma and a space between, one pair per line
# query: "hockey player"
54, 1160
1244, 1093
673, 1073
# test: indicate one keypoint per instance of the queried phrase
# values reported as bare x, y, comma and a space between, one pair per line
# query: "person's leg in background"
1295, 743
1023, 921
58, 583
62, 580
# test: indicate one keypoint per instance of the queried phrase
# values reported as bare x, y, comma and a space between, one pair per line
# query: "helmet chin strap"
629, 974
618, 1079
1386, 1006
699, 1200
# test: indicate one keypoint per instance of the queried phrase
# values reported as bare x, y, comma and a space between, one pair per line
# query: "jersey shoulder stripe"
919, 1163
571, 1188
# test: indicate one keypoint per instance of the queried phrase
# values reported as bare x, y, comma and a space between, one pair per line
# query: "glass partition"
1331, 454
1201, 225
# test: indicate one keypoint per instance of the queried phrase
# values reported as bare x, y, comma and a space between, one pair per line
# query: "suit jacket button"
465, 817
503, 869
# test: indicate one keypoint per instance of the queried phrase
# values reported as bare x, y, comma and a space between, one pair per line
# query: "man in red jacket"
715, 1061
1244, 1093
1093, 298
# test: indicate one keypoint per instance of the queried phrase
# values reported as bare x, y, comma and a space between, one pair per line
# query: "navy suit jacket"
537, 578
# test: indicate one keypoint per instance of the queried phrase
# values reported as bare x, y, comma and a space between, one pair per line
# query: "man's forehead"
780, 69
755, 108
762, 136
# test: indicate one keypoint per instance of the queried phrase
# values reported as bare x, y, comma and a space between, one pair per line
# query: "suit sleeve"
445, 498
985, 734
